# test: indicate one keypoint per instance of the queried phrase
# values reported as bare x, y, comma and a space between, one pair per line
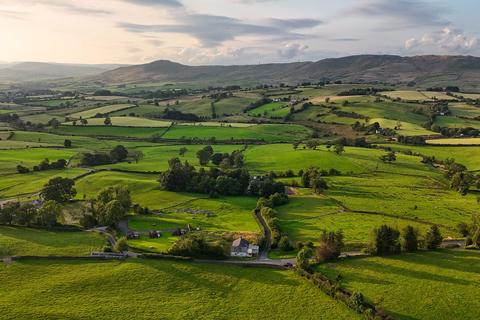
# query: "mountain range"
427, 70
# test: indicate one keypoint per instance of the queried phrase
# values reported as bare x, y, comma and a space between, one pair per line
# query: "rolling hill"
463, 71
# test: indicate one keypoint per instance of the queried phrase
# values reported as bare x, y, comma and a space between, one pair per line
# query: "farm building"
242, 248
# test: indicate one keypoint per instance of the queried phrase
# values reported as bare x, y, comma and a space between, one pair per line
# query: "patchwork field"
9, 159
455, 141
127, 122
272, 109
426, 285
15, 241
153, 289
103, 110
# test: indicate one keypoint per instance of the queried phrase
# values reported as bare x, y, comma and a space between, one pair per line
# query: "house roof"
240, 242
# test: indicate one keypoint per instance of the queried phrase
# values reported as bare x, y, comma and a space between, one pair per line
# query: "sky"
198, 32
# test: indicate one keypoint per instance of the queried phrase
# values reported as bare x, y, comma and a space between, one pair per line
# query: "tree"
107, 121
303, 257
318, 184
8, 211
25, 214
433, 238
339, 149
284, 244
54, 123
121, 245
384, 240
389, 157
330, 246
22, 169
136, 155
295, 145
204, 155
461, 181
409, 240
67, 143
84, 122
58, 189
182, 151
110, 213
48, 214
217, 158
119, 153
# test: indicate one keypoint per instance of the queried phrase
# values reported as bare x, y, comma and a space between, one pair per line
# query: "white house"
242, 248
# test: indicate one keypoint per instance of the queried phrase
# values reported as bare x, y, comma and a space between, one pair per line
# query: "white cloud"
447, 40
292, 50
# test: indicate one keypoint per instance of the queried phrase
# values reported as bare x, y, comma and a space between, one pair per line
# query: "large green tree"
58, 189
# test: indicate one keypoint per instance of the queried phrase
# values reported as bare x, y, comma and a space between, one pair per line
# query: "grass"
455, 141
200, 107
304, 218
403, 195
95, 131
18, 241
103, 110
454, 122
272, 109
16, 185
232, 105
409, 95
159, 289
156, 158
128, 122
468, 156
145, 110
406, 128
266, 132
426, 285
464, 110
9, 159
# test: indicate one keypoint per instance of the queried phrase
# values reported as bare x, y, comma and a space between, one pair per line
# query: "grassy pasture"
266, 132
144, 110
219, 124
17, 185
272, 109
409, 196
304, 218
53, 103
156, 158
128, 122
103, 110
464, 110
94, 131
409, 95
454, 122
41, 118
15, 241
200, 107
12, 144
455, 141
232, 105
425, 285
333, 118
468, 156
406, 129
473, 96
9, 159
144, 189
152, 289
438, 95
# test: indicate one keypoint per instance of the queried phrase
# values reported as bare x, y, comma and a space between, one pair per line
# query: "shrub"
410, 239
384, 240
121, 245
330, 246
433, 238
284, 244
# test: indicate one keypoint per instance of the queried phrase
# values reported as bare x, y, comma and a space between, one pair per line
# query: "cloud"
72, 8
402, 13
447, 40
212, 30
165, 3
11, 14
292, 50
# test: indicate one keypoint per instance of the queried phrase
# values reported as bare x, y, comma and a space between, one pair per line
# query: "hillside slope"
423, 70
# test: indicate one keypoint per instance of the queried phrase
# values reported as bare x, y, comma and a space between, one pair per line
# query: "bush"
433, 238
410, 239
384, 240
121, 245
284, 244
330, 246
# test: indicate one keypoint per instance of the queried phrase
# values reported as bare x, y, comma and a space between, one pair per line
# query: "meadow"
158, 289
9, 159
94, 131
272, 109
103, 110
127, 122
455, 141
425, 285
455, 122
22, 241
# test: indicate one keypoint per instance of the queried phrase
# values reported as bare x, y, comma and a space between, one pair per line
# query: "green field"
409, 95
145, 110
16, 241
464, 110
454, 122
468, 156
406, 128
304, 218
128, 122
427, 285
272, 109
16, 185
156, 289
456, 141
232, 105
266, 132
109, 131
9, 159
103, 110
200, 107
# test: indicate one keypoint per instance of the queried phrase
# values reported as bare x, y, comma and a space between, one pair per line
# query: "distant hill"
34, 71
418, 70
